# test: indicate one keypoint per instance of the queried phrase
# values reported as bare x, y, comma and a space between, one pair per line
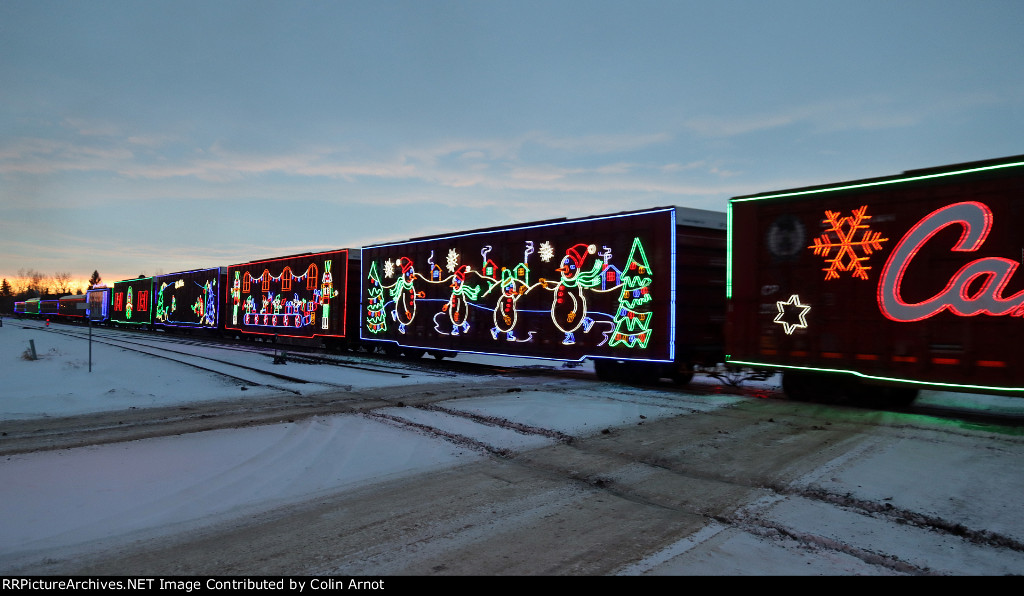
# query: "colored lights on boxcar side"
565, 290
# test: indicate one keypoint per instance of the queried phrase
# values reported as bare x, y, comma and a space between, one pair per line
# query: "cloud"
876, 112
529, 162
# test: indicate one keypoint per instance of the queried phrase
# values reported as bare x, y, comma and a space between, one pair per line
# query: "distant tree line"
35, 284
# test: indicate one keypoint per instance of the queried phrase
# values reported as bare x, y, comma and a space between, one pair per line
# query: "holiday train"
869, 289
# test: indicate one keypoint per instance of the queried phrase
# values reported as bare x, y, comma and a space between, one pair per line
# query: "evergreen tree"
94, 279
6, 297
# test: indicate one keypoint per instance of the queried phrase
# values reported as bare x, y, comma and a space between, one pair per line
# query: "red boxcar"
296, 297
72, 307
641, 293
899, 283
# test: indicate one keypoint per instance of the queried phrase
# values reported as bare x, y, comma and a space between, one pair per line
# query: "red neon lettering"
994, 273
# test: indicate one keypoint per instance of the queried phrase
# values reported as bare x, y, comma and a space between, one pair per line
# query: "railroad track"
186, 359
448, 368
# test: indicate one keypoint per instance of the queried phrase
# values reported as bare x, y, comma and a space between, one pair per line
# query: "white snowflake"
453, 260
547, 252
389, 268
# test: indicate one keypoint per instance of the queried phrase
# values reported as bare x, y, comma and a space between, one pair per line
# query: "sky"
165, 136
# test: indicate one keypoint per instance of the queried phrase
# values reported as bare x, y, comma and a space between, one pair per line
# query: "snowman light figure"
458, 304
569, 304
505, 315
405, 295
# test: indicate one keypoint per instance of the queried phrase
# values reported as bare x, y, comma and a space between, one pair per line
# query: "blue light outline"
220, 302
672, 264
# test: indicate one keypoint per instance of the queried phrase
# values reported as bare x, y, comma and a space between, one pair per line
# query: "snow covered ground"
60, 501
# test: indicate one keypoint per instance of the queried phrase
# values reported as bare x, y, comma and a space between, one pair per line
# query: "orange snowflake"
848, 251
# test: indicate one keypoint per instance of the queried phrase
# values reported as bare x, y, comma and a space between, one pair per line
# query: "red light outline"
976, 219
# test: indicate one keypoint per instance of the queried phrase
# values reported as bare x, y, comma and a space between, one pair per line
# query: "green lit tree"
376, 322
633, 326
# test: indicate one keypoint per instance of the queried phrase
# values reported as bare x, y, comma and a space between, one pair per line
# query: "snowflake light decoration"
841, 236
547, 252
787, 310
389, 268
453, 260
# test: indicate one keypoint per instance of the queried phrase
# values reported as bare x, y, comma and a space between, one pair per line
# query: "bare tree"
21, 282
34, 283
62, 282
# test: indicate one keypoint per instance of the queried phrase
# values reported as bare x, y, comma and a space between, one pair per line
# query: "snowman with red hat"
405, 295
458, 305
505, 315
569, 304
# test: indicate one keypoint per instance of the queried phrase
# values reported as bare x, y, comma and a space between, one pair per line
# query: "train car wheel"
801, 386
681, 377
608, 370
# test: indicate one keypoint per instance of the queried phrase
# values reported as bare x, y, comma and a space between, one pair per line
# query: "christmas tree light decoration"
128, 307
205, 307
376, 320
788, 310
840, 236
633, 327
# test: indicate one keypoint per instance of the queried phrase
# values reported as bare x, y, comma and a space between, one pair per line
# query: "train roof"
980, 168
687, 216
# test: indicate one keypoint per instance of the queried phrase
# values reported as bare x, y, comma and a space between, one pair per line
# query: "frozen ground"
60, 501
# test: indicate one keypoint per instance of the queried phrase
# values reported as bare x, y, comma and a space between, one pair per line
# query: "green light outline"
728, 273
876, 377
877, 183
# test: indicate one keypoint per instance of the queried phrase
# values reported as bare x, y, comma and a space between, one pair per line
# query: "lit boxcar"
298, 297
32, 306
131, 302
98, 304
19, 308
875, 288
72, 307
49, 308
189, 299
641, 291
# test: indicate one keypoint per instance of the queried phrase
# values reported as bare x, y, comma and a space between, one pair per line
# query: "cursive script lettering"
989, 275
